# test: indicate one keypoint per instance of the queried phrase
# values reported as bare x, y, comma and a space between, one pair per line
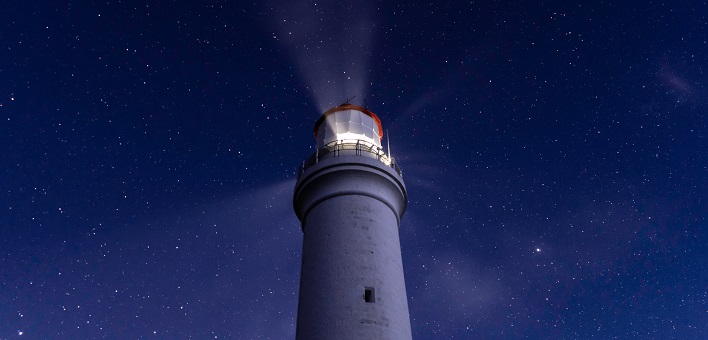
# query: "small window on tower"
369, 295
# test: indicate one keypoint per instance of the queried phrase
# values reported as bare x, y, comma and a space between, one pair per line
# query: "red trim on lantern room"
344, 107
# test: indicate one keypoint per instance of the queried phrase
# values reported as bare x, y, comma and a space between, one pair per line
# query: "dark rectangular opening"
369, 295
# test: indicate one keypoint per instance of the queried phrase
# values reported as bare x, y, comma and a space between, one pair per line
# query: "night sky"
555, 154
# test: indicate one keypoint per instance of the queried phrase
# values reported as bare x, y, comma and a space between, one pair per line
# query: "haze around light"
331, 44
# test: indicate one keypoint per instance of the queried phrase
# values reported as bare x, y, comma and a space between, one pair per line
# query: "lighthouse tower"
350, 197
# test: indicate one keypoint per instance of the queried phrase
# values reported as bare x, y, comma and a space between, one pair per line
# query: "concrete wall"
350, 215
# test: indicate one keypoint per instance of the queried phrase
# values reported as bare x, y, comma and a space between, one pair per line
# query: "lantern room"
348, 123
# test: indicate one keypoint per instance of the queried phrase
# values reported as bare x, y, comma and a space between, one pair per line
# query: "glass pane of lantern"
367, 121
356, 117
341, 116
342, 127
330, 133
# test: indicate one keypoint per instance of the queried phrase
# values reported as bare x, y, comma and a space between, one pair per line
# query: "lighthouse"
349, 198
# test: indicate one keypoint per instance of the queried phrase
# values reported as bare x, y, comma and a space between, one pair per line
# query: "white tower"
350, 197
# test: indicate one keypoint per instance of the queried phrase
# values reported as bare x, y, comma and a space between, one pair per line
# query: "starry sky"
554, 153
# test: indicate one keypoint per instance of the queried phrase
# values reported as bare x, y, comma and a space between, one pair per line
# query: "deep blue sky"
555, 157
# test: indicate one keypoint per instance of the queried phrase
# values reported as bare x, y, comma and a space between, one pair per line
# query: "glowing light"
348, 123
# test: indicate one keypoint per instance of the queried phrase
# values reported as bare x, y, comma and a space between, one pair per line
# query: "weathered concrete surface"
350, 208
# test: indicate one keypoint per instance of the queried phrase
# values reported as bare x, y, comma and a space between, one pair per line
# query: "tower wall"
352, 284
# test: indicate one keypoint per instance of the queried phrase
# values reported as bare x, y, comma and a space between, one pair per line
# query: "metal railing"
348, 148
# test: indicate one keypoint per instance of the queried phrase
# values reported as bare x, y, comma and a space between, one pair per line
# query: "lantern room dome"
348, 123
